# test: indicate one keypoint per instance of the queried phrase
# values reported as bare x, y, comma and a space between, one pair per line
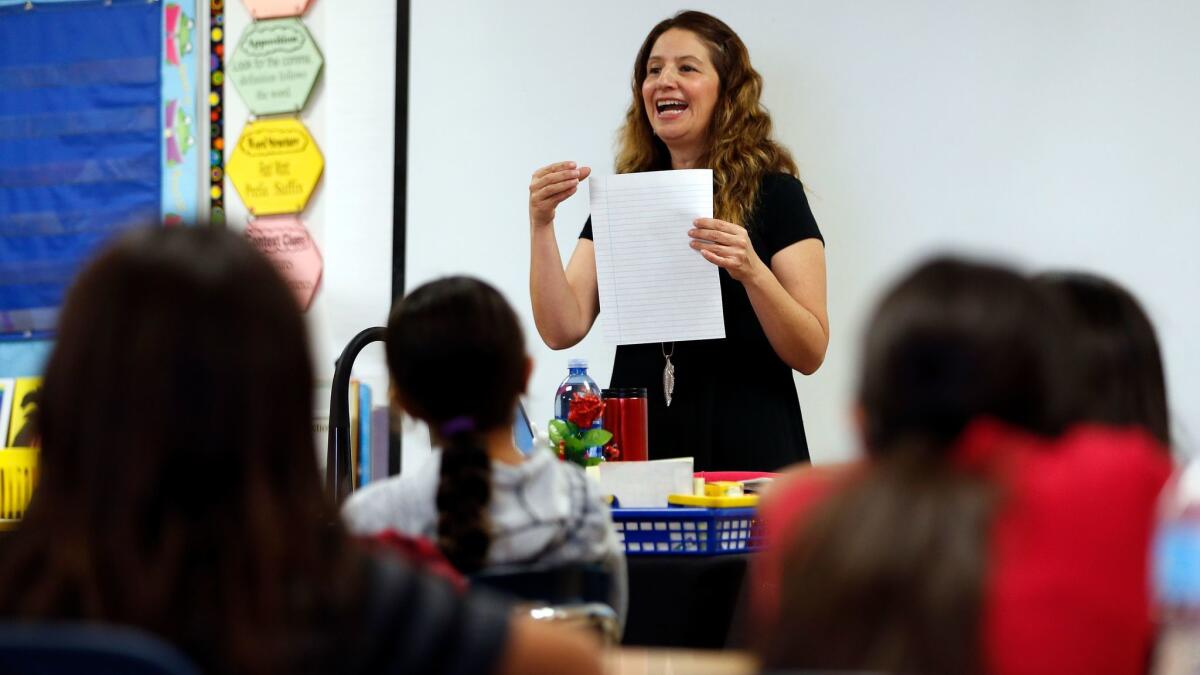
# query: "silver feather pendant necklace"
668, 373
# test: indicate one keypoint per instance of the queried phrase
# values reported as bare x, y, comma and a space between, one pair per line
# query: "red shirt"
1067, 589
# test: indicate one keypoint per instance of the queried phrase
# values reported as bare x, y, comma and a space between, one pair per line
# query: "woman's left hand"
726, 245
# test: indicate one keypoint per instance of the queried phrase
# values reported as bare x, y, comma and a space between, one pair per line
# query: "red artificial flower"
584, 410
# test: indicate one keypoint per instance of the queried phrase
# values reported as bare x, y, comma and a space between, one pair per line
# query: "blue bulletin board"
81, 142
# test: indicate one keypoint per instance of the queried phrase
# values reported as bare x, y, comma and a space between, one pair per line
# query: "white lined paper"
653, 286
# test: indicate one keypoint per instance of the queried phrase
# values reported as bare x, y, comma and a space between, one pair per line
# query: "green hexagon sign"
275, 66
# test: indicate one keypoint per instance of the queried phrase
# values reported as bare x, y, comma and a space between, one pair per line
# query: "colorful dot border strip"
216, 111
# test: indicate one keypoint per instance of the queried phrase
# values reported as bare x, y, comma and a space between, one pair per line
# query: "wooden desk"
639, 661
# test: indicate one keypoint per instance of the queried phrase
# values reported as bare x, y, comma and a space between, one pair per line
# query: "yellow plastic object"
18, 474
713, 502
723, 488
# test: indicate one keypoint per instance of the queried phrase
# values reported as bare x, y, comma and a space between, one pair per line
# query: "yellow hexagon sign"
275, 166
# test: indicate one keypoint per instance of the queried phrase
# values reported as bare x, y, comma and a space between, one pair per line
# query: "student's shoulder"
423, 622
1122, 463
390, 503
573, 474
546, 465
569, 480
798, 489
364, 504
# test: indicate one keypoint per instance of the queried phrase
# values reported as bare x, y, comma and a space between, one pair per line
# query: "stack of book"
369, 428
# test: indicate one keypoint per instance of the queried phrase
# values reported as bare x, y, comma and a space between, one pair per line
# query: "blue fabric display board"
80, 143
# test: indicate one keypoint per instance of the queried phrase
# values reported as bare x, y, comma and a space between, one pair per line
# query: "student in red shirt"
977, 537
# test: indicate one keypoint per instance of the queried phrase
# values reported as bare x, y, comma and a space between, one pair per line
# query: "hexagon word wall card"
275, 166
275, 66
270, 9
286, 242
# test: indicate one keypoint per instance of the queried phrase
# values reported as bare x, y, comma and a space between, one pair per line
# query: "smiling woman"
696, 104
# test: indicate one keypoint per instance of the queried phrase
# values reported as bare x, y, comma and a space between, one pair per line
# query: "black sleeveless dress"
734, 406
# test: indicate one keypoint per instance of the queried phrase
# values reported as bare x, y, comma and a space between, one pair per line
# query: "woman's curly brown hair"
740, 150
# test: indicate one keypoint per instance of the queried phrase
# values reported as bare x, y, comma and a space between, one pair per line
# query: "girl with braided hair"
458, 363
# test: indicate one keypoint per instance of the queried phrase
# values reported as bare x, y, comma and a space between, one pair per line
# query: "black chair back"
339, 473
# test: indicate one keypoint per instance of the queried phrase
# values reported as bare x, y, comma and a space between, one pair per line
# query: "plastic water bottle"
577, 381
1177, 574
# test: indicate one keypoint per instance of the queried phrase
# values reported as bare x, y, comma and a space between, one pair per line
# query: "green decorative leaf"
559, 429
575, 444
594, 461
577, 456
596, 437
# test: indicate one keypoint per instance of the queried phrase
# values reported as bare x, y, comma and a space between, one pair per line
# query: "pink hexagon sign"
285, 241
271, 9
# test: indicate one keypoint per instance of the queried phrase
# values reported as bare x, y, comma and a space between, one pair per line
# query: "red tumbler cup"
625, 415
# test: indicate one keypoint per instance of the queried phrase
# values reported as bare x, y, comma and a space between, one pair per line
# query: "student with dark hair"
978, 536
179, 490
458, 363
1115, 351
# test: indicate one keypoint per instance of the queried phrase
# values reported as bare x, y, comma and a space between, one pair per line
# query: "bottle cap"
576, 363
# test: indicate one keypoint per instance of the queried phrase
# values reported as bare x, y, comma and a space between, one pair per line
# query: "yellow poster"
275, 166
26, 394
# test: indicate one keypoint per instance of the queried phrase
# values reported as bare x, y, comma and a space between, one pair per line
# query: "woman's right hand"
549, 187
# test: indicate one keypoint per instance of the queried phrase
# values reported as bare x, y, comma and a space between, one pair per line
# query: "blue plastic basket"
686, 531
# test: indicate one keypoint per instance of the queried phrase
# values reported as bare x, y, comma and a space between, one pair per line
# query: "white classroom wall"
1049, 134
351, 115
